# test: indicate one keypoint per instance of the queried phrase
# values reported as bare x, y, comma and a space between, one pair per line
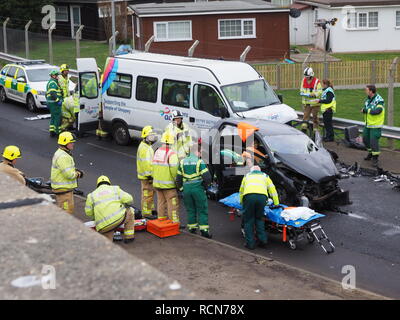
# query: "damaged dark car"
303, 172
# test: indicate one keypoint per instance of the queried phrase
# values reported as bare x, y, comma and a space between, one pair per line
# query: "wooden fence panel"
341, 73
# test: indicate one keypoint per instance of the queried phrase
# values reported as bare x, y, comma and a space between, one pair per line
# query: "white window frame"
66, 11
253, 36
357, 17
397, 12
100, 11
156, 39
71, 9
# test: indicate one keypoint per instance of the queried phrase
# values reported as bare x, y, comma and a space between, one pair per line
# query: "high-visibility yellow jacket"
183, 140
165, 168
332, 104
107, 205
374, 112
53, 91
90, 88
260, 183
70, 106
63, 172
64, 85
306, 89
144, 159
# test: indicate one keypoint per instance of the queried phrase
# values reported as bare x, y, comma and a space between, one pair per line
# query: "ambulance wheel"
3, 95
121, 134
31, 104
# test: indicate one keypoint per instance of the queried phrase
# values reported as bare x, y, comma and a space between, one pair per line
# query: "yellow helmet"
66, 137
103, 179
167, 138
11, 152
64, 67
146, 131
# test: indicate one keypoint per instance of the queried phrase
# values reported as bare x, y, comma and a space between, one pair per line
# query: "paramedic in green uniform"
374, 115
54, 98
194, 178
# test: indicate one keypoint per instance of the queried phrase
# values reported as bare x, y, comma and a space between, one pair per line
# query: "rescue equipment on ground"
292, 231
163, 228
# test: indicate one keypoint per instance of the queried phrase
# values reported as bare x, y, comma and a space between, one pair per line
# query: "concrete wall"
386, 37
42, 241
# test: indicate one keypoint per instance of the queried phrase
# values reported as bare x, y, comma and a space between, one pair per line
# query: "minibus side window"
121, 87
176, 93
146, 89
207, 99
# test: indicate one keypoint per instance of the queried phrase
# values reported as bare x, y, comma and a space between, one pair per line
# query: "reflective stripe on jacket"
53, 91
165, 168
332, 105
260, 183
307, 88
63, 173
192, 168
374, 120
144, 160
107, 205
70, 106
183, 140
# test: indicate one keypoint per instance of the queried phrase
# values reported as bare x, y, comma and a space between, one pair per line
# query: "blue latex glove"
59, 103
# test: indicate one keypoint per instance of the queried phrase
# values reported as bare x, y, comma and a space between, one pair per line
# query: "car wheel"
31, 104
121, 134
3, 95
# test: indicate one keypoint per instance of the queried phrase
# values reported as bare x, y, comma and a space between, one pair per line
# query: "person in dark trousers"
328, 108
374, 116
254, 191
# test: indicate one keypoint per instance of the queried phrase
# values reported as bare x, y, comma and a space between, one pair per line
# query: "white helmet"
308, 72
176, 114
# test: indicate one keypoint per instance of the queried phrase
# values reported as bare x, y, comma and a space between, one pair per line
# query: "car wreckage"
303, 171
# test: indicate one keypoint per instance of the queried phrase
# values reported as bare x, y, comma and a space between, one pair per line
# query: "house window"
61, 13
121, 86
362, 20
398, 19
176, 93
146, 89
236, 28
105, 11
173, 31
315, 15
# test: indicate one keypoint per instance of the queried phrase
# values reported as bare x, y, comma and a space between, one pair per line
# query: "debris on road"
38, 117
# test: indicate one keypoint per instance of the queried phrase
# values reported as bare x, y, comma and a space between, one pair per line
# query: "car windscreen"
37, 75
250, 95
291, 144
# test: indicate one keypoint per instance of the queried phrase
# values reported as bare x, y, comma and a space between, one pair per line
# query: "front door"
90, 94
75, 19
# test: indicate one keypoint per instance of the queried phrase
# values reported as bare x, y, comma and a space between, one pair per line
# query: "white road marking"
111, 150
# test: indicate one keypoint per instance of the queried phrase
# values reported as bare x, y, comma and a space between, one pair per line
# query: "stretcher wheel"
292, 245
310, 238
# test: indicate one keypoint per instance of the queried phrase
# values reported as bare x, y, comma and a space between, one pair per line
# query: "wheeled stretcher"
292, 231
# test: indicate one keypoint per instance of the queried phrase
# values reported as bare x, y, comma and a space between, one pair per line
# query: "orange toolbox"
163, 228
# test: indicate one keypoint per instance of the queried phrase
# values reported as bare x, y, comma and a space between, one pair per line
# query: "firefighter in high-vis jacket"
193, 179
109, 206
310, 91
180, 131
254, 191
165, 169
144, 159
64, 175
63, 80
54, 100
374, 117
7, 166
70, 108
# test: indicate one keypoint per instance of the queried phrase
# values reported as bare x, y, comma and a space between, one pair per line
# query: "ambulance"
139, 89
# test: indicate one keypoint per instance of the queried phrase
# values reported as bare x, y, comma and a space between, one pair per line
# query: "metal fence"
342, 73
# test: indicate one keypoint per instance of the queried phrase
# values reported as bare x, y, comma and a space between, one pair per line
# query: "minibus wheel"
121, 134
